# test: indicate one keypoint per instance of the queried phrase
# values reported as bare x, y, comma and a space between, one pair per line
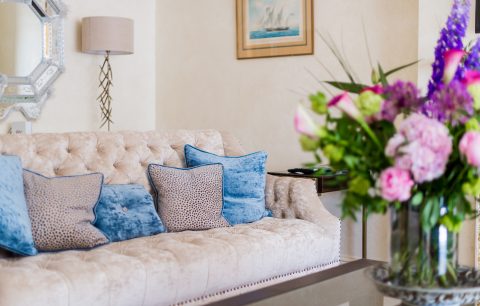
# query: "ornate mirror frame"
28, 94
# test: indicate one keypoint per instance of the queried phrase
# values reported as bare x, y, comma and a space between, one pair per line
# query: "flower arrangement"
402, 149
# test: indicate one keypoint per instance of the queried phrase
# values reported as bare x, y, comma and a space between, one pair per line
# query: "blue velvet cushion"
126, 212
244, 183
15, 227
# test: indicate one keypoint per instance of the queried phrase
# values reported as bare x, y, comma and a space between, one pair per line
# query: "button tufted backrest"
121, 156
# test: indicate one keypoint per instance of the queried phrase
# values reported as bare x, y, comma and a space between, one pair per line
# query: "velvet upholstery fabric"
127, 211
122, 157
15, 227
244, 183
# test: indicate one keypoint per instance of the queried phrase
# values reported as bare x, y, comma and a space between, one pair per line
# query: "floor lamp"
107, 36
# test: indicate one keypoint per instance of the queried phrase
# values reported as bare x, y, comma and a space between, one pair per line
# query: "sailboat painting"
267, 28
274, 18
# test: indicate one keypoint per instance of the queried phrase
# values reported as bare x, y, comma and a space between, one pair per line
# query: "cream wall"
201, 84
73, 106
9, 32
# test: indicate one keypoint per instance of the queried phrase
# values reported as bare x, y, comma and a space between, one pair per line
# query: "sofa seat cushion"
167, 268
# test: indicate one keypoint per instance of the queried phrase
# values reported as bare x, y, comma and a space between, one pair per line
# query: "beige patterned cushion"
189, 199
61, 211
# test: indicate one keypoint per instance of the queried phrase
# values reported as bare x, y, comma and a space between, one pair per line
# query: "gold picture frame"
269, 28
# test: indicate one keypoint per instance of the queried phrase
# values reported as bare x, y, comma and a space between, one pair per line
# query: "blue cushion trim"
220, 156
244, 183
96, 203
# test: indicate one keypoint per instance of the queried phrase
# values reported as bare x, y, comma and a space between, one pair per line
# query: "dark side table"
330, 183
325, 183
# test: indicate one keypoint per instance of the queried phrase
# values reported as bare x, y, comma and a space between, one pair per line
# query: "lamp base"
105, 98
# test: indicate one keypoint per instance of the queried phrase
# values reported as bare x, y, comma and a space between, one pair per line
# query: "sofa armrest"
290, 198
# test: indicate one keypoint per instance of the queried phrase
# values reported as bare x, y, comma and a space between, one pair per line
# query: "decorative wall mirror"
31, 53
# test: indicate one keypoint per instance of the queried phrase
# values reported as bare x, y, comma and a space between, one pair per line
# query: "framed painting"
267, 28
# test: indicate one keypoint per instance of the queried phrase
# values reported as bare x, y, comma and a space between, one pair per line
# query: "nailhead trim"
265, 282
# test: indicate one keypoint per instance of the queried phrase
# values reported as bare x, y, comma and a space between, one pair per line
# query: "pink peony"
425, 150
470, 147
396, 185
404, 162
393, 145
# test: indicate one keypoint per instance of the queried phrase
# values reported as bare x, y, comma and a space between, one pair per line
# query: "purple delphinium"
400, 97
472, 62
450, 38
450, 103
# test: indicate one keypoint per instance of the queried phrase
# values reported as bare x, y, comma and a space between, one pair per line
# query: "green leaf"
472, 188
448, 222
359, 185
334, 153
425, 215
417, 199
472, 125
308, 144
351, 161
435, 213
390, 72
349, 87
383, 77
338, 55
452, 223
375, 77
319, 103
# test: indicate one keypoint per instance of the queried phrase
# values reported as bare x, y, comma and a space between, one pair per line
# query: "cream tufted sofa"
173, 268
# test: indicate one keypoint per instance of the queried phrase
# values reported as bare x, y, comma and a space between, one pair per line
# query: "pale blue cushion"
15, 227
126, 212
244, 183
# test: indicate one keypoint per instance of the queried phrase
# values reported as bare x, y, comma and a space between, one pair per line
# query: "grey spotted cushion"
189, 199
61, 211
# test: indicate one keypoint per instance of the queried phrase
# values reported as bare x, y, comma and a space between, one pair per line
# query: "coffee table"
345, 285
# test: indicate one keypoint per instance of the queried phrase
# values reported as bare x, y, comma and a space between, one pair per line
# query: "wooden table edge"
294, 284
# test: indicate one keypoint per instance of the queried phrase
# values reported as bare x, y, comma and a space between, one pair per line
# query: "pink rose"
396, 184
404, 162
470, 147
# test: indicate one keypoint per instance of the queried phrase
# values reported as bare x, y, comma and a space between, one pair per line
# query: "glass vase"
425, 258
